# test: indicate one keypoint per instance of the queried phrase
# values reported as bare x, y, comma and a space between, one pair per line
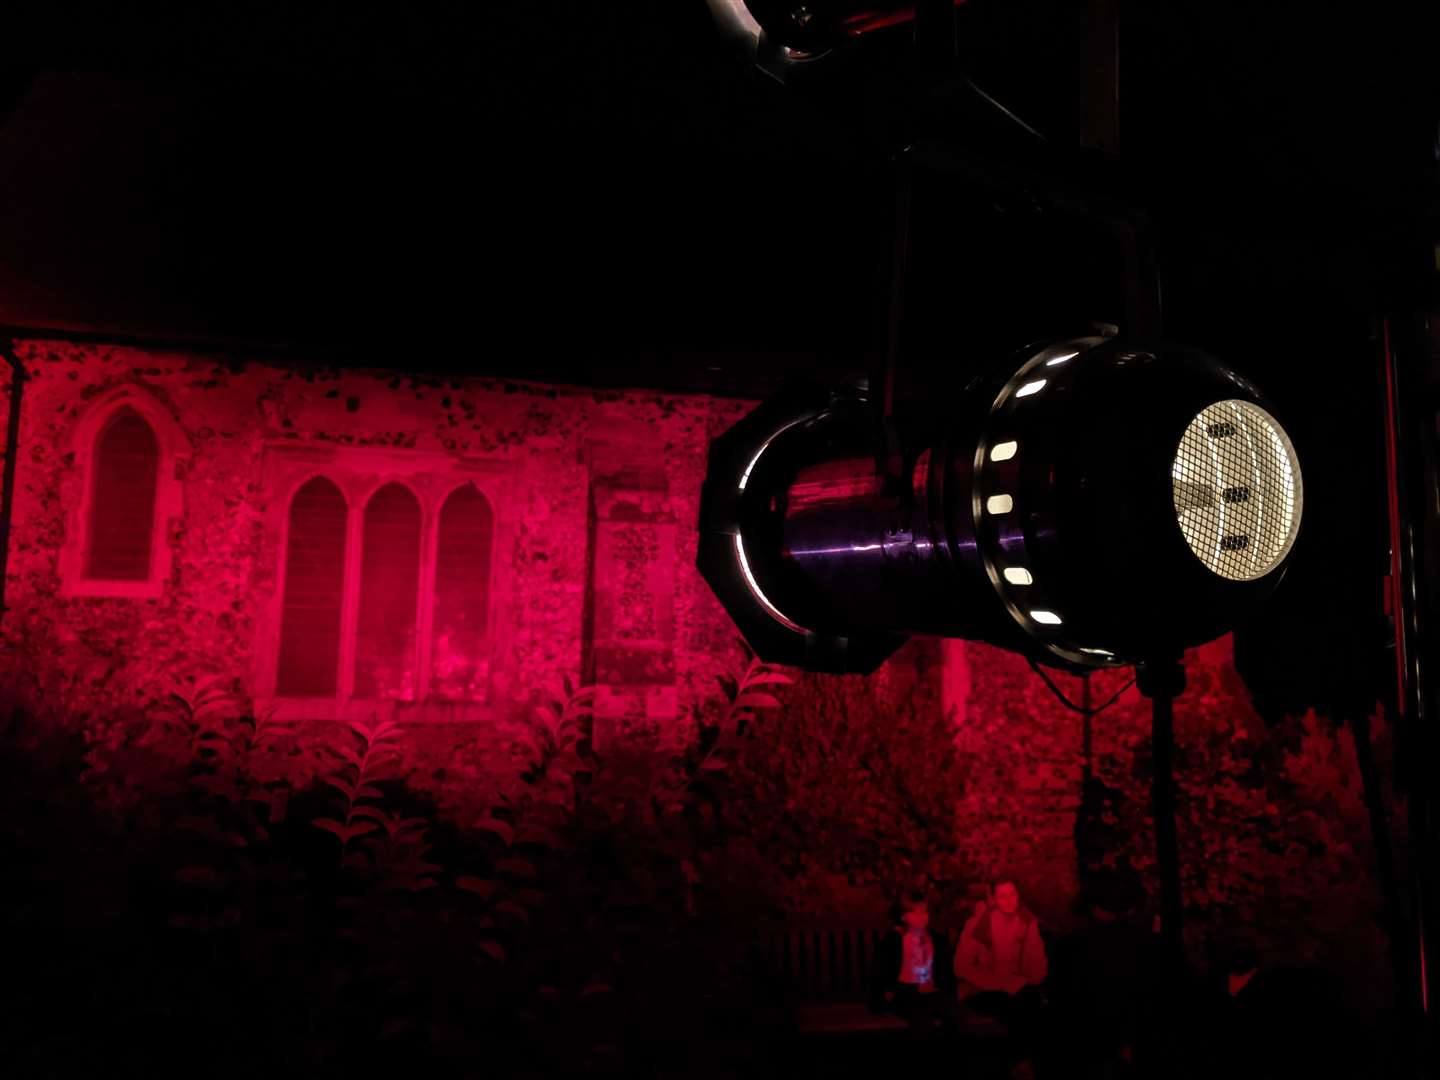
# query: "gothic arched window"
388, 601
120, 534
459, 643
310, 615
389, 593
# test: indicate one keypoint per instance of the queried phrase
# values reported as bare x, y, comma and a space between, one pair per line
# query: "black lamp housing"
1049, 518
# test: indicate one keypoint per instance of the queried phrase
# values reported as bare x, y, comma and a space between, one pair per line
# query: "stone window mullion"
425, 617
350, 614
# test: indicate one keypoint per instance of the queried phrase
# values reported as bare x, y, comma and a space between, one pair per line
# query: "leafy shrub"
348, 925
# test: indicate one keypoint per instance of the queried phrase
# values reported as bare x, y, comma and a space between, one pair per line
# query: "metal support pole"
1412, 375
935, 33
1162, 681
1098, 102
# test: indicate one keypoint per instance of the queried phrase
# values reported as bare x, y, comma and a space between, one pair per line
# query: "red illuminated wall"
593, 496
952, 761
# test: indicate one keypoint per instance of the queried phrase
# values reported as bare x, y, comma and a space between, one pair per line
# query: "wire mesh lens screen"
1237, 490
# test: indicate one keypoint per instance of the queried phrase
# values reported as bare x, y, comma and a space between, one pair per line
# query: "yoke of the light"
1092, 503
783, 38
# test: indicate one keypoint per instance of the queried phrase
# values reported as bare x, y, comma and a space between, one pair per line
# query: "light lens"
1049, 618
1237, 491
999, 504
1018, 575
1003, 451
1031, 388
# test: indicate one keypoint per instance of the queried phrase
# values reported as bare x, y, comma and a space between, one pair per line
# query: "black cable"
1060, 694
972, 85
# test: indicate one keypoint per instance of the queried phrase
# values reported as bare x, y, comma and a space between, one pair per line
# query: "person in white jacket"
1000, 963
1000, 949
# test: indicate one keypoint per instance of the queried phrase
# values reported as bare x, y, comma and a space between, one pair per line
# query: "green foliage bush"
192, 882
182, 903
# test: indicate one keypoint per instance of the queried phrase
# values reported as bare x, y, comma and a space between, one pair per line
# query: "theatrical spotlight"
1091, 504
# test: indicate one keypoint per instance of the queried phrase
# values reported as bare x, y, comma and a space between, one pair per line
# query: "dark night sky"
600, 180
601, 193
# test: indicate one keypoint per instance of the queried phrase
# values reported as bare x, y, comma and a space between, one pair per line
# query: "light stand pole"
1163, 680
935, 33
